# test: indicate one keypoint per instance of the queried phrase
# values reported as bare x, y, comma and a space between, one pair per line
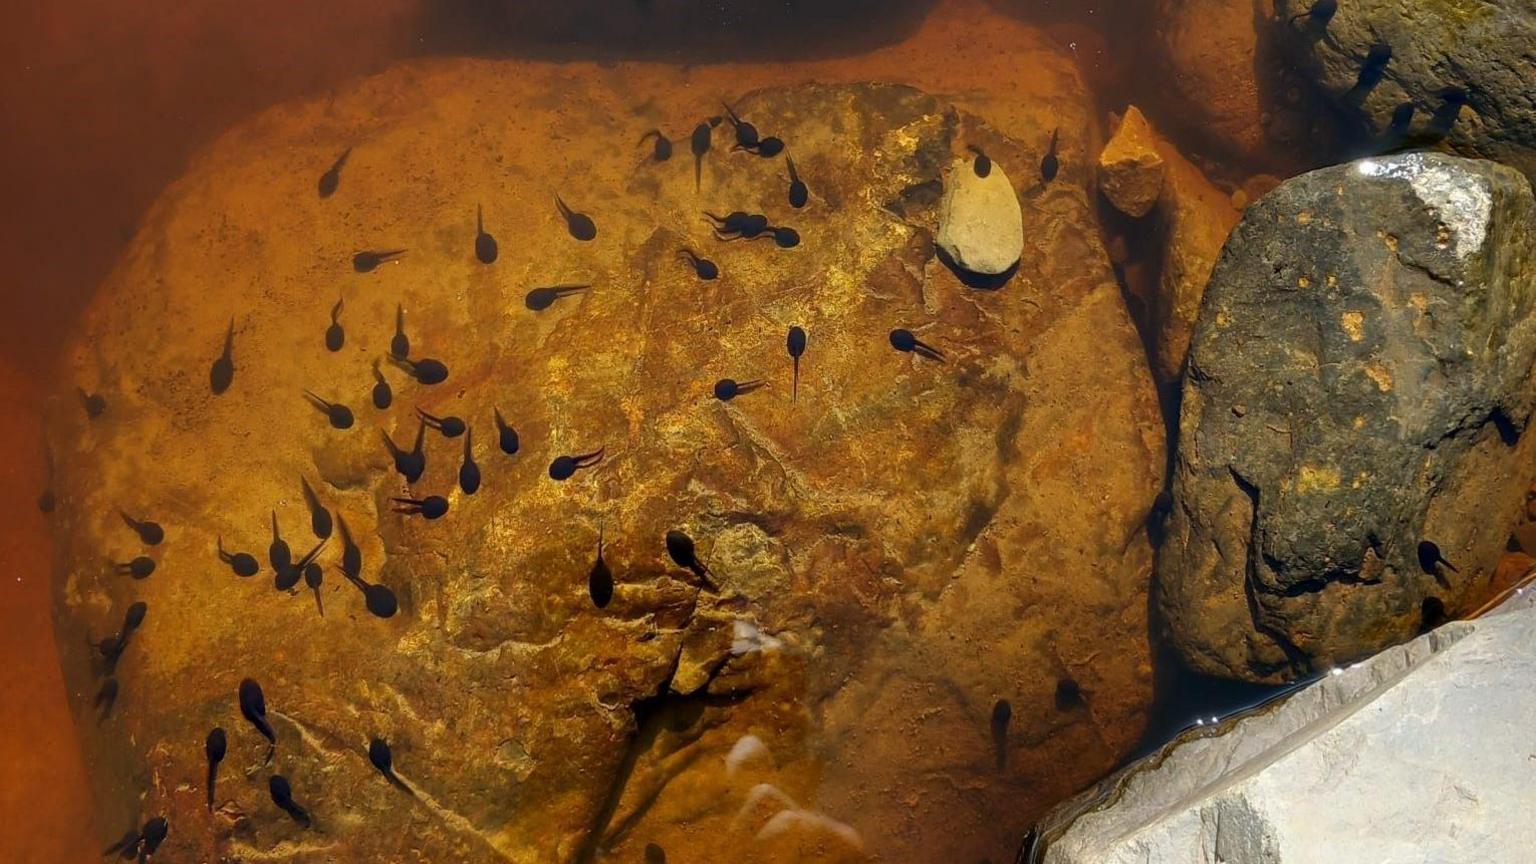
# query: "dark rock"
1374, 322
1481, 51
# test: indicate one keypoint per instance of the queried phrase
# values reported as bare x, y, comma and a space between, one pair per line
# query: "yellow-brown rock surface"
898, 549
1191, 219
1131, 166
1211, 58
1196, 219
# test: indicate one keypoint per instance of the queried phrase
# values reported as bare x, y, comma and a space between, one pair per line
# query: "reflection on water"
883, 598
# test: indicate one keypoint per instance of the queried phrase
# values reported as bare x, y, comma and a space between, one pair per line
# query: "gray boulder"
1360, 380
1422, 753
1481, 50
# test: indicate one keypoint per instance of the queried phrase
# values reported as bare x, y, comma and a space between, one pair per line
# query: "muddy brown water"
104, 103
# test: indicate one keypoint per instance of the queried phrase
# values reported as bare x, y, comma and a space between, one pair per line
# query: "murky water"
909, 611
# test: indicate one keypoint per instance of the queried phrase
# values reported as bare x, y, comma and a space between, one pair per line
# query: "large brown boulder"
897, 549
1360, 384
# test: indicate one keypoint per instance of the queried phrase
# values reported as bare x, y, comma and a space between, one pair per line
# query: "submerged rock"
1192, 220
1360, 381
899, 548
1131, 168
981, 226
1463, 65
1421, 753
1209, 53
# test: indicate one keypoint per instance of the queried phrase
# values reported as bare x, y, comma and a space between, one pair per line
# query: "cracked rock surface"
1360, 381
905, 544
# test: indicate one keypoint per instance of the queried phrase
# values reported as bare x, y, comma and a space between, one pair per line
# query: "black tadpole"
768, 147
335, 336
705, 268
680, 548
469, 471
662, 151
243, 564
1372, 71
600, 578
288, 577
379, 600
449, 426
1430, 558
319, 517
1069, 694
506, 436
580, 225
383, 397
1453, 99
94, 404
540, 299
214, 747
382, 759
332, 176
798, 193
1051, 164
368, 260
314, 578
138, 568
426, 370
485, 244
351, 555
564, 466
222, 373
399, 344
795, 343
253, 707
1319, 14
149, 532
727, 389
785, 238
699, 144
1002, 712
413, 463
983, 163
655, 854
282, 795
903, 340
112, 648
432, 506
339, 415
278, 553
151, 836
746, 133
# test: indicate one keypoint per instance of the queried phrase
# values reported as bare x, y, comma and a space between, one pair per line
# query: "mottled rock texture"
1418, 754
1359, 381
903, 546
1483, 49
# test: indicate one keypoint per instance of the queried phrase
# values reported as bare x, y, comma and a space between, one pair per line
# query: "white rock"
980, 224
1424, 753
